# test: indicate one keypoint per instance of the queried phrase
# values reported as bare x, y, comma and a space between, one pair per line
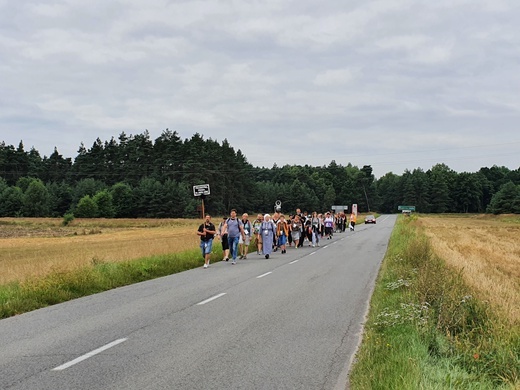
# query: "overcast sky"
395, 84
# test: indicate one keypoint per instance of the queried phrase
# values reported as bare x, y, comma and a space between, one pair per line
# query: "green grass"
426, 331
17, 298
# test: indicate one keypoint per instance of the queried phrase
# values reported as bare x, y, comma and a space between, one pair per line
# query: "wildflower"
476, 356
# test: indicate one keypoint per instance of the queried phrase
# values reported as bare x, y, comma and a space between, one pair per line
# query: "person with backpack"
296, 230
243, 244
316, 229
206, 232
282, 231
329, 225
256, 230
235, 229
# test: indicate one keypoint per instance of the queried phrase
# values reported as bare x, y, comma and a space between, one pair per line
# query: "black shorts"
328, 230
225, 243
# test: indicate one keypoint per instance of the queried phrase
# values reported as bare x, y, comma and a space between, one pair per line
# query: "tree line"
134, 176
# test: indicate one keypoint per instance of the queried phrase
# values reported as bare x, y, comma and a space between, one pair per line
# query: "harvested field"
37, 247
487, 250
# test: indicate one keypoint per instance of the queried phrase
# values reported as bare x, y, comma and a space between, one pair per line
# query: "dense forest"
134, 176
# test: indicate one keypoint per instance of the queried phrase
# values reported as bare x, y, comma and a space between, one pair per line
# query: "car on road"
370, 219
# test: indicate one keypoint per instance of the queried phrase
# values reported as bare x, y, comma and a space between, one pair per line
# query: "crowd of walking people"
270, 233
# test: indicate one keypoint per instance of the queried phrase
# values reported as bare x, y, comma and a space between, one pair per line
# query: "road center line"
312, 253
295, 261
211, 299
267, 273
88, 355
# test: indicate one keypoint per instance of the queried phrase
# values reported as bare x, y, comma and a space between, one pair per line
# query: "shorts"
328, 230
206, 247
225, 243
248, 240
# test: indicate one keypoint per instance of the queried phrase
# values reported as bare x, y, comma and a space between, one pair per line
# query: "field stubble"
488, 253
37, 247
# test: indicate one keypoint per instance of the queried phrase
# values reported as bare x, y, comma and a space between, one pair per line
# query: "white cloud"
285, 74
334, 77
431, 55
402, 42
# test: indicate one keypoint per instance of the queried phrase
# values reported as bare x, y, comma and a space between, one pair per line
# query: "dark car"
370, 219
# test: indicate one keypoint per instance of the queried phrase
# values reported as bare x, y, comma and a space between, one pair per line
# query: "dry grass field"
36, 247
487, 250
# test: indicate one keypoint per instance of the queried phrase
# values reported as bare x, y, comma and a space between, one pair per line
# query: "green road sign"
410, 208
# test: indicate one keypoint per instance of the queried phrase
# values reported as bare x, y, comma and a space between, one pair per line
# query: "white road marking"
312, 253
295, 261
211, 299
89, 355
261, 276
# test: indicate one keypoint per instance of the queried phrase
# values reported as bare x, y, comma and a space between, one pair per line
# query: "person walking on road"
257, 223
353, 219
275, 218
329, 225
222, 233
296, 230
248, 230
342, 222
282, 231
316, 229
302, 219
206, 232
235, 229
268, 230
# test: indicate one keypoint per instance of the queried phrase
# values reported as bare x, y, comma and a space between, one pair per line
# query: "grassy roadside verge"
427, 330
17, 298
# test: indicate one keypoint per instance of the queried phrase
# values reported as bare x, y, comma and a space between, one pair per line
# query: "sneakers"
233, 262
241, 257
245, 257
266, 256
206, 266
226, 259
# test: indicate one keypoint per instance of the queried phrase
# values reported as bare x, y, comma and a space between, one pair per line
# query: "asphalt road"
290, 322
